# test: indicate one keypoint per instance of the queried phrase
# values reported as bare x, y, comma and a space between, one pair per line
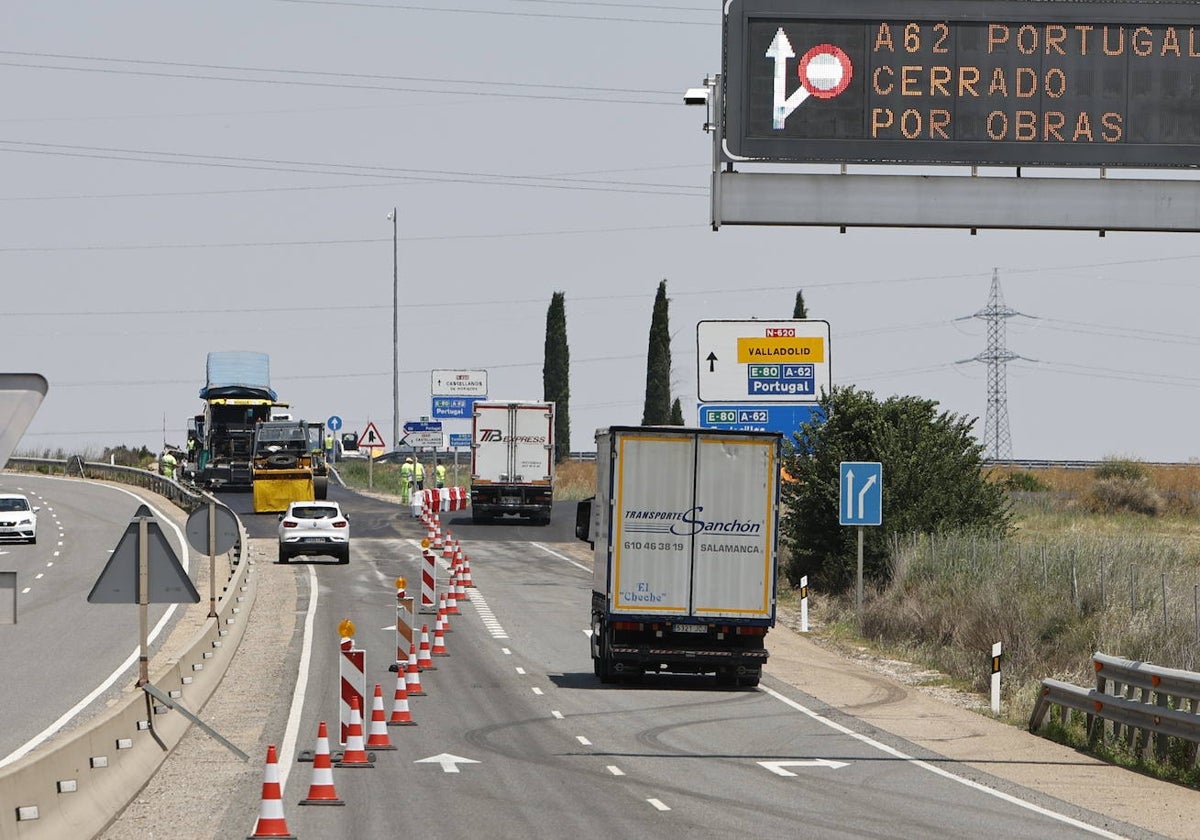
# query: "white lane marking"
657, 803
485, 613
564, 557
506, 651
287, 749
537, 690
779, 768
938, 771
615, 770
24, 591
520, 670
556, 714
583, 740
39, 576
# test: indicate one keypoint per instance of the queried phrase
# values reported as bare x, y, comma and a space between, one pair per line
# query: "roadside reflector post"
996, 655
804, 604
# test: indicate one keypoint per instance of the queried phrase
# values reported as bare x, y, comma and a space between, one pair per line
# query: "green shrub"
1023, 481
1122, 468
1112, 495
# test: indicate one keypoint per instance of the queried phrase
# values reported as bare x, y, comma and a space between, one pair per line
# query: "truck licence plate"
691, 628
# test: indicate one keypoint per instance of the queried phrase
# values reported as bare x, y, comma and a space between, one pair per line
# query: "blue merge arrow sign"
860, 498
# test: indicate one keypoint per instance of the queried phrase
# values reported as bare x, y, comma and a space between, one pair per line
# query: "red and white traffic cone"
448, 547
439, 640
377, 737
444, 612
424, 660
271, 822
452, 595
413, 675
322, 791
401, 716
355, 755
460, 588
466, 567
437, 537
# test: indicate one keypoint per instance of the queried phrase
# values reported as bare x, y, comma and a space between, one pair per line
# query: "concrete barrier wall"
75, 786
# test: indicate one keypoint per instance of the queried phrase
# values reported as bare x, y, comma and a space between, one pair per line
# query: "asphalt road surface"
64, 658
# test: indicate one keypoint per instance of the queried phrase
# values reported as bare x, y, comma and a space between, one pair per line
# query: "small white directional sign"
860, 497
449, 762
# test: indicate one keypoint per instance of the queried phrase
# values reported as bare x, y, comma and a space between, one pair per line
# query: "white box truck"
684, 526
512, 460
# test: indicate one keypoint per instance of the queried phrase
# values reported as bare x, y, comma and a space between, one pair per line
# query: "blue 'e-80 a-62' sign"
781, 380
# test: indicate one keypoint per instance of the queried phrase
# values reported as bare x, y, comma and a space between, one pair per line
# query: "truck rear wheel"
321, 487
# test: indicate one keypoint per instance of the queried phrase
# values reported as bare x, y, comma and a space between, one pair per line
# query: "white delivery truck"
684, 526
512, 460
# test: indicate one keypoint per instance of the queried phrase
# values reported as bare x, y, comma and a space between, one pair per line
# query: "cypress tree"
800, 312
676, 413
556, 374
657, 409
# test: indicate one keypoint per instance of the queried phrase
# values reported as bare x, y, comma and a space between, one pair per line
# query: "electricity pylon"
997, 441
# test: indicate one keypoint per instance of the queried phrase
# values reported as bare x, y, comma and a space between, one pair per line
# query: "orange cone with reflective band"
321, 791
466, 571
271, 822
452, 595
355, 755
448, 547
460, 587
424, 660
413, 674
444, 612
377, 737
439, 640
401, 716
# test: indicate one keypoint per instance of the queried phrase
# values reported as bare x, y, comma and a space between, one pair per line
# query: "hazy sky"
187, 177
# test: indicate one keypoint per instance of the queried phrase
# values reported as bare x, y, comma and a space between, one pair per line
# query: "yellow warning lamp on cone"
401, 585
346, 629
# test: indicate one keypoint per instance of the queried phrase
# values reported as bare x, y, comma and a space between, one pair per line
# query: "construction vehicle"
287, 466
237, 398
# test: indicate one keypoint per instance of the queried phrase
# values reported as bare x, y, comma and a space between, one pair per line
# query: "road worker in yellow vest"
406, 480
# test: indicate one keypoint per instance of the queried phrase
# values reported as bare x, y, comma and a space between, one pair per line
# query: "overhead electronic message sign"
1004, 82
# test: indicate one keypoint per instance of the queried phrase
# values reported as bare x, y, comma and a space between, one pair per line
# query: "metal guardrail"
1136, 702
185, 497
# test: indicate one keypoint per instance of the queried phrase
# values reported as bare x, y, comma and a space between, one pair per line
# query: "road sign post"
860, 502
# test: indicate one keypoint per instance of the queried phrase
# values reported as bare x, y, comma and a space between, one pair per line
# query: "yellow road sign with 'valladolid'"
780, 362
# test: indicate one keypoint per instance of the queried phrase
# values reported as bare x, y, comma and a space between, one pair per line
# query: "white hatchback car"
314, 528
18, 518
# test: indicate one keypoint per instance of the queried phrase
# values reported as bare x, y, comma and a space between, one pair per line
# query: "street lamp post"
395, 334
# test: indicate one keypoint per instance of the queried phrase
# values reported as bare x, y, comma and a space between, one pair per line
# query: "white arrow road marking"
862, 494
449, 762
777, 767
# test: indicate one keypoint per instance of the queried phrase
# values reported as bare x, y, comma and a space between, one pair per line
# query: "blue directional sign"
423, 426
759, 417
334, 423
460, 440
454, 408
860, 499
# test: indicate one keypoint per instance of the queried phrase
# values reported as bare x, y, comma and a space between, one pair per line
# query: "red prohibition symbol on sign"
825, 71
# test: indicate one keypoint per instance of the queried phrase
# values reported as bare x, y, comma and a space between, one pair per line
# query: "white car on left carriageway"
18, 518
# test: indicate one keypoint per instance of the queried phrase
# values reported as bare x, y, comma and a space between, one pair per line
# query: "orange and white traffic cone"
444, 612
377, 737
460, 587
424, 660
412, 676
439, 640
271, 822
401, 716
452, 595
466, 567
355, 755
322, 791
448, 547
437, 538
